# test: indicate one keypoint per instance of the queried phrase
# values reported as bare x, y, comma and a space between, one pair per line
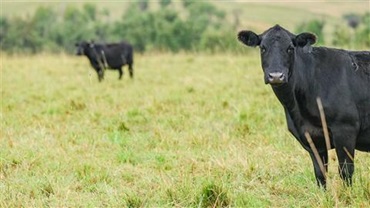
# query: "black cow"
107, 56
300, 73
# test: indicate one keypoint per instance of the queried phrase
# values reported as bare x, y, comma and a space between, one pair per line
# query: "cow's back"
342, 80
354, 90
362, 59
118, 54
342, 71
361, 83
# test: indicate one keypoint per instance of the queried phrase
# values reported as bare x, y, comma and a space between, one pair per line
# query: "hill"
186, 25
258, 15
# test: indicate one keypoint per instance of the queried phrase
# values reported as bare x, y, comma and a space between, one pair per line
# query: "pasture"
191, 130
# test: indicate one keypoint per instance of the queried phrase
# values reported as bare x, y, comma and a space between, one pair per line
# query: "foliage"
165, 29
363, 33
147, 29
163, 25
342, 36
315, 26
356, 34
164, 3
353, 33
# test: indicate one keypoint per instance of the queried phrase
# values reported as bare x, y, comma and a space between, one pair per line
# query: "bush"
314, 26
356, 34
200, 27
145, 28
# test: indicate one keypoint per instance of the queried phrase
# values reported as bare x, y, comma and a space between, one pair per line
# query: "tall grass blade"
316, 153
324, 124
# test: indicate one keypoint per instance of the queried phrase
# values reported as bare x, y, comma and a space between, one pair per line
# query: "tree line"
354, 33
198, 26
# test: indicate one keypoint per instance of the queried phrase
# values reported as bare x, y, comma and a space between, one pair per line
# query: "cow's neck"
92, 56
285, 94
293, 94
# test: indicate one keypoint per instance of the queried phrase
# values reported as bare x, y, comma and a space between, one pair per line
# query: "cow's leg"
131, 70
345, 142
120, 73
346, 165
319, 174
100, 74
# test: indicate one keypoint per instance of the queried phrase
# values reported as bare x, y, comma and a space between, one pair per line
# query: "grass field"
191, 130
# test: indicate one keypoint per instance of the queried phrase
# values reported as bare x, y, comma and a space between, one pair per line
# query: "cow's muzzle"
275, 78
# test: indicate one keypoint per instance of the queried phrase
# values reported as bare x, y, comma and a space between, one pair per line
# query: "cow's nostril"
276, 75
275, 78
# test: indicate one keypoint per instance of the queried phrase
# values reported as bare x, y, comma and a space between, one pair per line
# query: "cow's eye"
263, 49
290, 49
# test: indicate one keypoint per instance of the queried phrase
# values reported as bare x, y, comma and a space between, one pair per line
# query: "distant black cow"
299, 73
107, 56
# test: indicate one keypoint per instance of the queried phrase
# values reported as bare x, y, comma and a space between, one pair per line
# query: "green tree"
202, 18
4, 27
315, 26
19, 36
43, 23
164, 3
90, 11
356, 34
199, 27
363, 34
341, 36
136, 27
76, 26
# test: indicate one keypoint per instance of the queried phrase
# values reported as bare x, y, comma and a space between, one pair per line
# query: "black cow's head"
278, 48
82, 47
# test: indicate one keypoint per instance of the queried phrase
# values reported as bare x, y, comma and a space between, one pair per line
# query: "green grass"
191, 130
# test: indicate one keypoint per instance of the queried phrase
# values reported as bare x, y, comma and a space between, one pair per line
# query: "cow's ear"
249, 38
305, 40
91, 43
